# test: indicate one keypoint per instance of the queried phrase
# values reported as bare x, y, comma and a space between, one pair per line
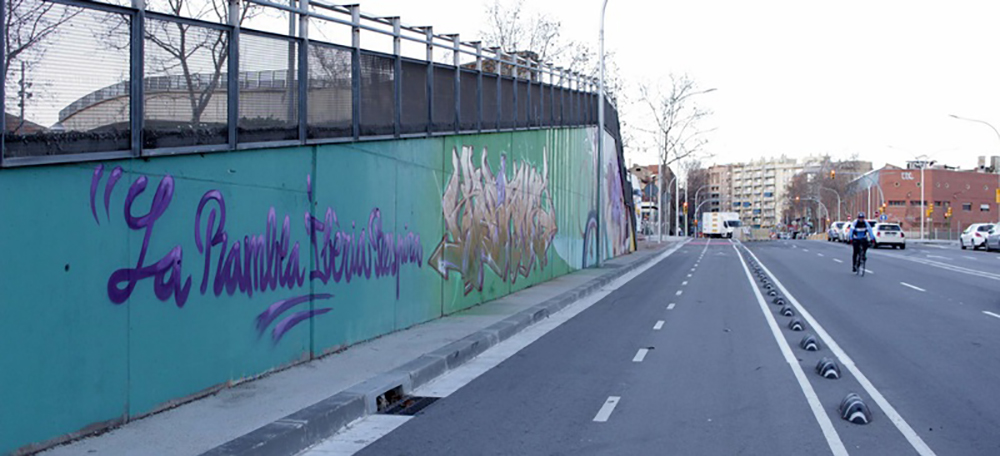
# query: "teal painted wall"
321, 247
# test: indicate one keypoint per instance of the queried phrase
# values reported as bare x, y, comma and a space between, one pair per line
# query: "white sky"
877, 78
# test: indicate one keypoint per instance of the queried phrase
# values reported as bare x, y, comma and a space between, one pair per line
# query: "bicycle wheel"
861, 267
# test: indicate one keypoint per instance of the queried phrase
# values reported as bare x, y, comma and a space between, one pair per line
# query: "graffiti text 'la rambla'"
255, 263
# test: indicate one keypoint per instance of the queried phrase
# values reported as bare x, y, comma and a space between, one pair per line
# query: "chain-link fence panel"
186, 97
469, 115
329, 92
444, 98
414, 115
378, 103
269, 89
75, 100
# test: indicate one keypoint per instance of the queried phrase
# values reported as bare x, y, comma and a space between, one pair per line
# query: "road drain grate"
409, 405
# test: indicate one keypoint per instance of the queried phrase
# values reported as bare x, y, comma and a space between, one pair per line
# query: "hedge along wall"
128, 286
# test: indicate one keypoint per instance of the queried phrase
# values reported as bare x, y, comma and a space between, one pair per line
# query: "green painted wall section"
463, 219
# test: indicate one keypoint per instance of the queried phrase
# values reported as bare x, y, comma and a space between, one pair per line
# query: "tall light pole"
600, 131
839, 214
995, 170
659, 204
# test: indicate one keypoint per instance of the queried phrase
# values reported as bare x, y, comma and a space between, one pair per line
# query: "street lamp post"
839, 214
600, 130
659, 208
995, 170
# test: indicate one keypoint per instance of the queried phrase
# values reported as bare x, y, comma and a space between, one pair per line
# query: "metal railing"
254, 88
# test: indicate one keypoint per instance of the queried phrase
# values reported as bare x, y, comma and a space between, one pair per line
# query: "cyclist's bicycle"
859, 262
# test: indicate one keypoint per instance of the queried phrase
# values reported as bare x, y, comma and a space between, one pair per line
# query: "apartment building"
756, 190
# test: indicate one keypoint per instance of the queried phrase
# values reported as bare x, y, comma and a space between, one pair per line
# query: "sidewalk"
290, 410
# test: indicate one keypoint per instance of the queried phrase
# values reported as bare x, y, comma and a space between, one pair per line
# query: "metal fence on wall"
165, 77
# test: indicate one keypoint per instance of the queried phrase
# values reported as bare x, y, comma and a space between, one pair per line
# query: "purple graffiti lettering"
167, 271
94, 182
309, 186
275, 310
285, 325
109, 187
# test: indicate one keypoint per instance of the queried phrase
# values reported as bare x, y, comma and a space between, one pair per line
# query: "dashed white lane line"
837, 260
689, 276
805, 250
939, 257
869, 271
671, 306
820, 254
692, 269
640, 355
912, 286
680, 292
609, 406
658, 326
969, 257
684, 283
991, 314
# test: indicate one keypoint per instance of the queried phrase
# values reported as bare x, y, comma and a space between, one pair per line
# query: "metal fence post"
3, 87
429, 37
356, 71
498, 58
479, 85
137, 87
303, 70
456, 59
232, 83
515, 70
552, 95
397, 51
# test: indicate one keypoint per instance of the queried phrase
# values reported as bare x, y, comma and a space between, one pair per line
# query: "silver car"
993, 239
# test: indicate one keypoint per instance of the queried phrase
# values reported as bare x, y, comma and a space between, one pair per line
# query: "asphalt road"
722, 374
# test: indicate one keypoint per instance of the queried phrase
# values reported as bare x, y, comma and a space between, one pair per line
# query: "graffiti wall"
127, 286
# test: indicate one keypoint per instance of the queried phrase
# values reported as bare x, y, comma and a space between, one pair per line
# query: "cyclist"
861, 238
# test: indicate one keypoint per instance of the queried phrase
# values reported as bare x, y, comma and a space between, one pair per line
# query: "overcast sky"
797, 78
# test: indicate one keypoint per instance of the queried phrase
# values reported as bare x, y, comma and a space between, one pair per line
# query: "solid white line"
659, 325
848, 363
640, 355
991, 314
832, 438
609, 406
837, 260
679, 292
671, 306
911, 286
358, 435
684, 283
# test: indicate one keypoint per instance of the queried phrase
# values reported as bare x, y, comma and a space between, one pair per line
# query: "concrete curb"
307, 427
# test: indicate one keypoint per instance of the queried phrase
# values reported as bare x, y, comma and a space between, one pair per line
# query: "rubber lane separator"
829, 432
658, 326
895, 418
609, 406
912, 286
991, 314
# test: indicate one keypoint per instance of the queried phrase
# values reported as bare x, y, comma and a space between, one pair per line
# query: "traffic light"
885, 207
833, 174
947, 213
685, 207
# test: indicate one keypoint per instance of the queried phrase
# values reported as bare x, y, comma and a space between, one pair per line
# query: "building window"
915, 203
897, 203
984, 208
967, 207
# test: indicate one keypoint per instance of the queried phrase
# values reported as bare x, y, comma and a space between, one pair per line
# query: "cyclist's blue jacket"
859, 233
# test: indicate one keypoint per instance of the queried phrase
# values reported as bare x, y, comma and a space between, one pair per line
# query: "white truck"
719, 224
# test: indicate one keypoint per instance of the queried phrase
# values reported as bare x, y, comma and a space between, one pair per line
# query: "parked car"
889, 234
833, 234
993, 239
845, 231
975, 235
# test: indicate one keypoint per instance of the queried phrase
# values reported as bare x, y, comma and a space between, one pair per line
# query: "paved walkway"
234, 414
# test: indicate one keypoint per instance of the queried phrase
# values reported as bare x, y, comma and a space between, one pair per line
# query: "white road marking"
832, 438
692, 269
837, 260
609, 406
805, 250
991, 314
939, 257
456, 378
969, 257
671, 306
658, 326
869, 271
679, 292
848, 363
689, 276
358, 435
640, 355
820, 254
684, 283
911, 286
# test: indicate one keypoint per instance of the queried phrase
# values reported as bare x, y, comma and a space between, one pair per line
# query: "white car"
889, 234
845, 233
975, 235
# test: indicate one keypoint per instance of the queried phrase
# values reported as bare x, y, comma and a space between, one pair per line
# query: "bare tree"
512, 30
29, 25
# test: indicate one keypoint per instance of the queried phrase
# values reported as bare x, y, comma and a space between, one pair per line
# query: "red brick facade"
971, 196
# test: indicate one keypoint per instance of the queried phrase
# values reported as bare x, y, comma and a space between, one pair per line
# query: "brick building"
969, 194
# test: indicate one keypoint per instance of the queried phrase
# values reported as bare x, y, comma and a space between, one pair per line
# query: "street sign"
883, 217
